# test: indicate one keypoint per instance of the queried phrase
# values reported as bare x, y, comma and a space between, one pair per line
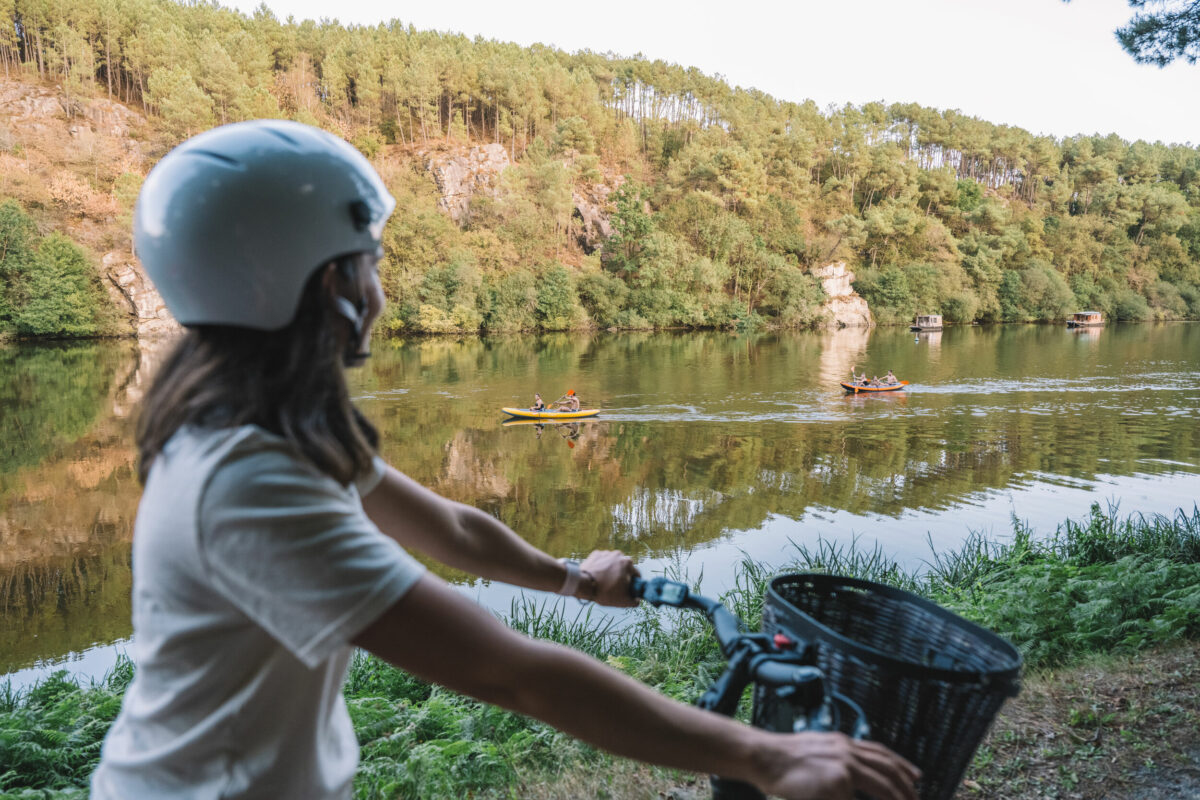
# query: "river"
710, 447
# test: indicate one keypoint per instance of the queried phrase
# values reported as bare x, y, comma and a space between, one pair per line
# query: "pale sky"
1042, 65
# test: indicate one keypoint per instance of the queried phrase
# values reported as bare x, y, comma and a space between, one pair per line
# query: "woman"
270, 536
538, 403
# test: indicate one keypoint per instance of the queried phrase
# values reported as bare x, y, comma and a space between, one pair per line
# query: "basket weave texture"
929, 681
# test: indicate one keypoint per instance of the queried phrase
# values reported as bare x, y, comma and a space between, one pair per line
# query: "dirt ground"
1117, 729
1124, 728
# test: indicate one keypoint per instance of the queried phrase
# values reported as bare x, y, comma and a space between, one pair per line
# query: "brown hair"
289, 382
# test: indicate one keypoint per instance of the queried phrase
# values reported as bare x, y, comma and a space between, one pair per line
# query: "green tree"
603, 296
631, 224
184, 106
557, 303
64, 292
1162, 31
18, 238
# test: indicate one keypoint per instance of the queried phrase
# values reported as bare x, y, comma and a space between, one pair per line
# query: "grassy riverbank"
1080, 602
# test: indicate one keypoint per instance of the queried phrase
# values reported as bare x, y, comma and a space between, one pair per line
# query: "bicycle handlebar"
751, 658
794, 689
664, 592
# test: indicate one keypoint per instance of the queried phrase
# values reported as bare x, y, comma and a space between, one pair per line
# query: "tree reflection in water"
702, 438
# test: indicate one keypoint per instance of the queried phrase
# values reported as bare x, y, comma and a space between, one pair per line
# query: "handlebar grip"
726, 626
774, 673
661, 592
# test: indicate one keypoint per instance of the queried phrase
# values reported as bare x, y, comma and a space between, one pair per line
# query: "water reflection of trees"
51, 607
67, 493
647, 476
50, 395
653, 485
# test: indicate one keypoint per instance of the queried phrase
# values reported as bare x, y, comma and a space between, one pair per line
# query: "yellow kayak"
512, 422
525, 413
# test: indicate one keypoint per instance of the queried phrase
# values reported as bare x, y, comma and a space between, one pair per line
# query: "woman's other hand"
831, 766
612, 571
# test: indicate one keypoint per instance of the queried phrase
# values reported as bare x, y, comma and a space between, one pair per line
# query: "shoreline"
7, 338
423, 741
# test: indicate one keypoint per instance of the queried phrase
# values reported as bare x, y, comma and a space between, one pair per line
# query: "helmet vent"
223, 159
360, 212
278, 134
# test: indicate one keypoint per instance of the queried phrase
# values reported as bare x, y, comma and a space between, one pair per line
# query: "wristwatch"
571, 583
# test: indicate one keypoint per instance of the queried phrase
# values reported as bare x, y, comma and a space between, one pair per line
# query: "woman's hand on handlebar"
612, 570
831, 766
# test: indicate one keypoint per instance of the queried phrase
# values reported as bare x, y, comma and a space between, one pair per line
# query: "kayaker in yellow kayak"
571, 403
538, 403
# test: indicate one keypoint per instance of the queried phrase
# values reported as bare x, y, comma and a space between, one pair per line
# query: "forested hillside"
728, 198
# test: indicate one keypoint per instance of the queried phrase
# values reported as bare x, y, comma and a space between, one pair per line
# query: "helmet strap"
354, 355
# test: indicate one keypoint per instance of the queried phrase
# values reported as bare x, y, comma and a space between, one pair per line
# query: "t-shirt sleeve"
294, 551
367, 482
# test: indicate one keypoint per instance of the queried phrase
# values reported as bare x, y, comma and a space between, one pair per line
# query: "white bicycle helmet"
231, 224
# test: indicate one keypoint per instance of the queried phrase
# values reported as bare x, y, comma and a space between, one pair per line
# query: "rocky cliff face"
843, 307
590, 223
60, 153
460, 175
36, 108
133, 291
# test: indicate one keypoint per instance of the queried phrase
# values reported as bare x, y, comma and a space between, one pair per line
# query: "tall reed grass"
1102, 584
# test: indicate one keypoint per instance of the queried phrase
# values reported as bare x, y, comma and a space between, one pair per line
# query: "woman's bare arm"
474, 541
442, 637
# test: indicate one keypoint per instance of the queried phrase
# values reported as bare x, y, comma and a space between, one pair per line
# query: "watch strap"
571, 582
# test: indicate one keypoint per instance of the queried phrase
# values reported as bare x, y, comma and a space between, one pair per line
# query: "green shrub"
1191, 296
1167, 301
512, 302
792, 297
18, 239
960, 306
368, 144
63, 289
603, 295
557, 306
1129, 305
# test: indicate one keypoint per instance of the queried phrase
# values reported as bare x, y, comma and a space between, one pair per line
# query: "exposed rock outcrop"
24, 103
843, 307
461, 176
46, 135
112, 118
462, 173
38, 109
590, 219
137, 295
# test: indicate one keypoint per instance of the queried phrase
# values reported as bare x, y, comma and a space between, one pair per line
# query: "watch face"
673, 593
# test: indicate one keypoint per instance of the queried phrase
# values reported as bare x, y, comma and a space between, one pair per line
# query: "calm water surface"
710, 446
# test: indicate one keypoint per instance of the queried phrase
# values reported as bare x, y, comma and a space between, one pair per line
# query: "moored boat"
525, 413
1085, 319
858, 388
927, 322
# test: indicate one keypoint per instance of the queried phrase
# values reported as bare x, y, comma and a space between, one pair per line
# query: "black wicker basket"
929, 681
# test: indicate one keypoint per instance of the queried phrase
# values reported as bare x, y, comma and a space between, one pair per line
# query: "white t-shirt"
252, 571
